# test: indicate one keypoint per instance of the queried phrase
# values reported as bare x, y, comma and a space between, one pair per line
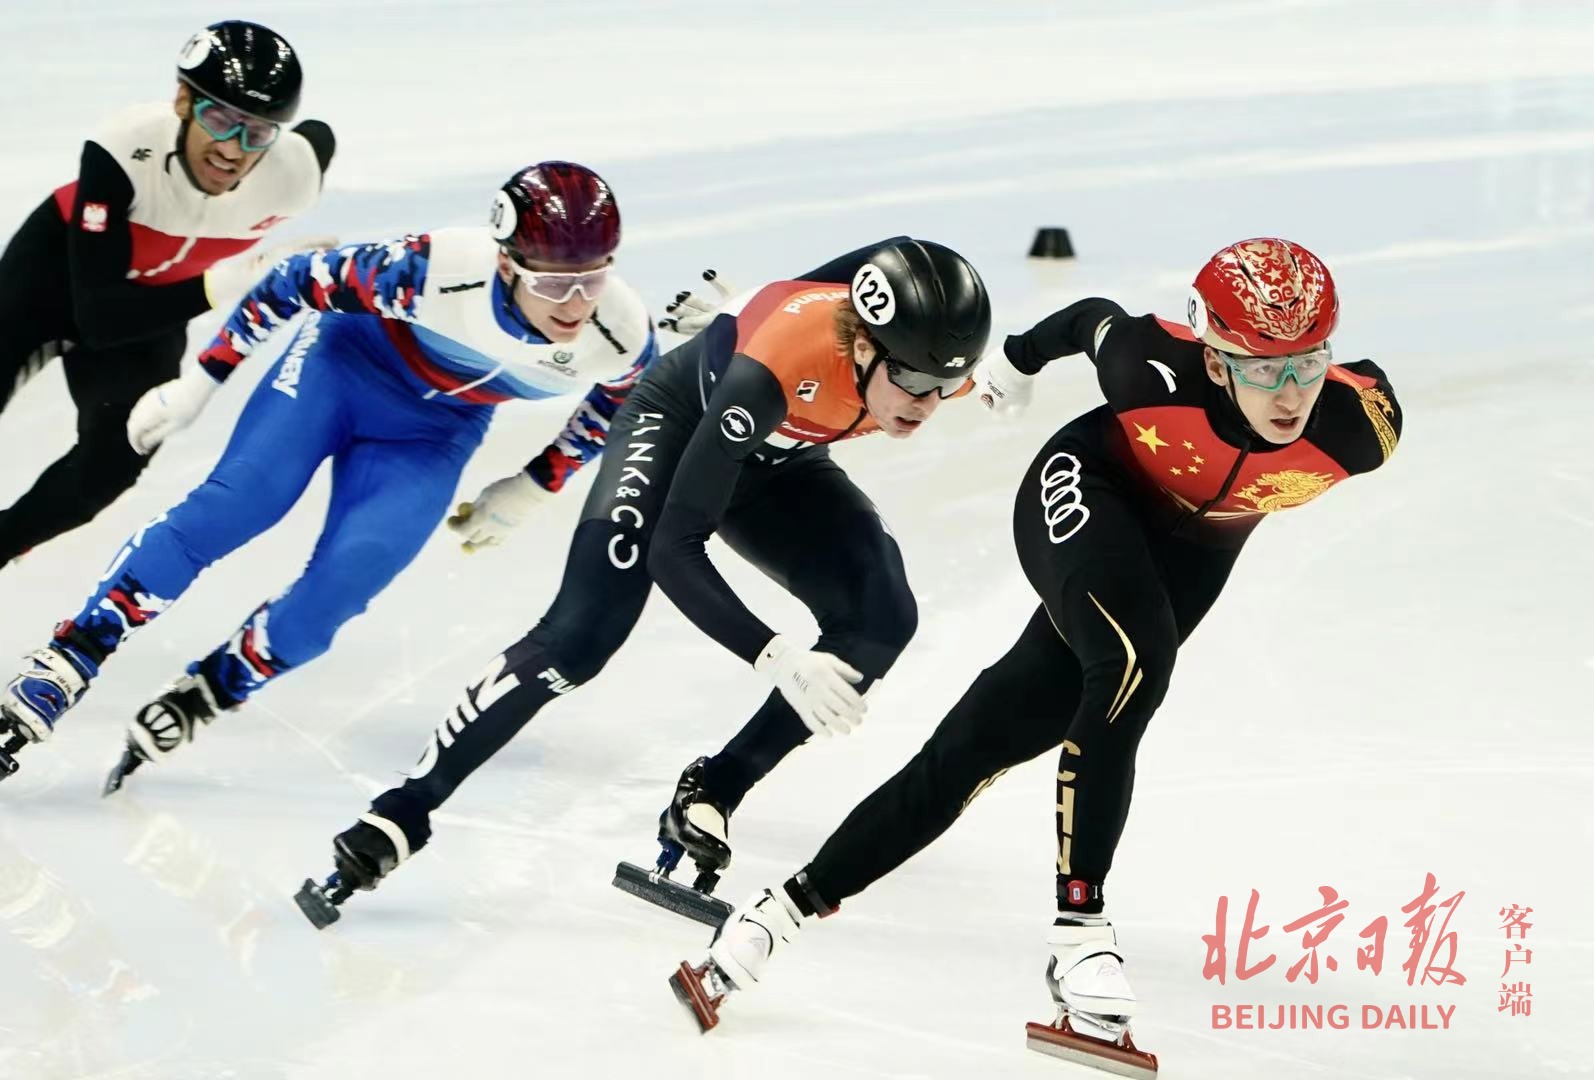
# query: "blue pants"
396, 461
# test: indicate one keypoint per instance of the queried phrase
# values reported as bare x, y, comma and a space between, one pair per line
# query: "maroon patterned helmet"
556, 212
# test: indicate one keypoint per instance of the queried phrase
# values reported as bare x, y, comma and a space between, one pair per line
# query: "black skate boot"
362, 855
165, 724
695, 824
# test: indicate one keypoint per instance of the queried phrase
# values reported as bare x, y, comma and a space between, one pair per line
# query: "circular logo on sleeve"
736, 424
872, 296
195, 51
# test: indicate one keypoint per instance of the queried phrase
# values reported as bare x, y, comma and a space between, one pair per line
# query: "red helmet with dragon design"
1263, 297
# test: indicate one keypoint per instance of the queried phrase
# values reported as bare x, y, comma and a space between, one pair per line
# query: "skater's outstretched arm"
382, 279
1074, 329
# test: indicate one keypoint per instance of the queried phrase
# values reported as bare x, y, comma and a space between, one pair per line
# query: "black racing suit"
1127, 524
691, 454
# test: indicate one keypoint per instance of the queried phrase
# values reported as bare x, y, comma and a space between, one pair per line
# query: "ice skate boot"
50, 684
1085, 975
165, 724
741, 950
695, 824
362, 855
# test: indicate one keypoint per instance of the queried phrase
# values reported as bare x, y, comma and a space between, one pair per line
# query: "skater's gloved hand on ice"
168, 408
228, 280
818, 685
1002, 388
691, 312
502, 505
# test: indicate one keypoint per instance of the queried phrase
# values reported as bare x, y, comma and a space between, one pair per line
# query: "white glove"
1002, 388
168, 408
691, 312
817, 684
501, 506
228, 280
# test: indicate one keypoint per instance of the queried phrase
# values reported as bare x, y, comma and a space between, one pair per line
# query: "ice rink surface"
1395, 683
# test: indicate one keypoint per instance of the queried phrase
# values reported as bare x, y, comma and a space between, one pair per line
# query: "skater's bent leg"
1106, 592
101, 465
387, 498
1017, 708
1122, 630
817, 535
274, 451
597, 607
601, 596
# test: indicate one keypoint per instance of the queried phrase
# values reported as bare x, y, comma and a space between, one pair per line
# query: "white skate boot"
739, 953
1085, 975
48, 686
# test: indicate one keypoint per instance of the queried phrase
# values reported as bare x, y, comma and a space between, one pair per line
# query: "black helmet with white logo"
244, 65
925, 306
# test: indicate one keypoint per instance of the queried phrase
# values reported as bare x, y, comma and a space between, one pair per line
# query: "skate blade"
1064, 1043
312, 900
667, 894
8, 763
687, 983
120, 771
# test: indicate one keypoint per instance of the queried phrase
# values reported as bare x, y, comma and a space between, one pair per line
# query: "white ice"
1396, 682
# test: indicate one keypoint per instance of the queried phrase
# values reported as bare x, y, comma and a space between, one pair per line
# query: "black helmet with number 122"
925, 306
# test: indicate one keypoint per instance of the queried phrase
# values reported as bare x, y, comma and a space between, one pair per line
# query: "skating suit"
106, 273
394, 375
1127, 525
727, 435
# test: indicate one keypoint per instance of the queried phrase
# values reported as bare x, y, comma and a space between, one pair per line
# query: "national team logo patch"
808, 389
96, 216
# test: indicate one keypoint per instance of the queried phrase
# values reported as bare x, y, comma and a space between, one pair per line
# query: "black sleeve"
1063, 333
1366, 423
107, 307
745, 408
319, 135
843, 267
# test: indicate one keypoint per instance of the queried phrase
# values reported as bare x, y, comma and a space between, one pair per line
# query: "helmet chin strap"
868, 373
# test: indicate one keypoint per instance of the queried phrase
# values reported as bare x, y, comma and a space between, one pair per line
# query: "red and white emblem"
96, 216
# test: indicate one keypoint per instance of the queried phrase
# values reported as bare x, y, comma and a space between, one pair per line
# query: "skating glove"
494, 513
691, 312
816, 684
228, 280
1002, 388
168, 408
